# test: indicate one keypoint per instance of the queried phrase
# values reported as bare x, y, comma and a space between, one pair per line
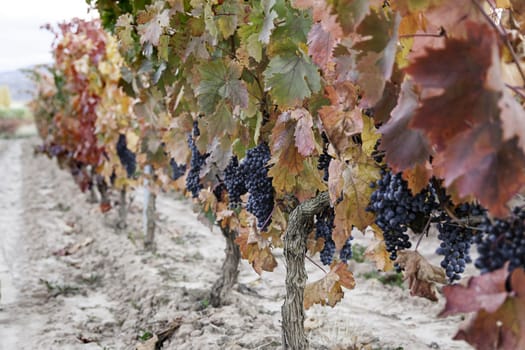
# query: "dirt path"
109, 291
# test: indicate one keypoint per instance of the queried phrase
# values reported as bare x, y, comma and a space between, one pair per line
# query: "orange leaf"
261, 259
327, 290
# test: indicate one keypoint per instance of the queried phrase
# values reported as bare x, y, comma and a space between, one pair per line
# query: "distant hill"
19, 84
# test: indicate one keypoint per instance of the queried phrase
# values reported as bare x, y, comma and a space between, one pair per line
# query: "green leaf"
219, 81
291, 78
292, 30
226, 16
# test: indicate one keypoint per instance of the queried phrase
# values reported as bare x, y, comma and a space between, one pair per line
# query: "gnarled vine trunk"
122, 210
300, 224
148, 217
102, 187
230, 269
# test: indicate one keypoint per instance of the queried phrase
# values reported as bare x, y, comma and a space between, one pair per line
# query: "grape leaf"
267, 25
341, 119
499, 321
376, 251
261, 259
285, 155
291, 78
304, 135
473, 153
328, 290
421, 275
404, 147
457, 73
226, 17
357, 175
151, 30
350, 13
418, 177
378, 52
124, 29
221, 81
518, 12
482, 292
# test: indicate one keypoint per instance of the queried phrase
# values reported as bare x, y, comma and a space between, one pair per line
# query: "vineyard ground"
108, 291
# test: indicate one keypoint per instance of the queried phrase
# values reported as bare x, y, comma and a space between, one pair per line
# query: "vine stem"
424, 35
425, 232
315, 263
516, 89
503, 35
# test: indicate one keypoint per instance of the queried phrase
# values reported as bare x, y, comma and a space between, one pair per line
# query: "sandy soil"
110, 291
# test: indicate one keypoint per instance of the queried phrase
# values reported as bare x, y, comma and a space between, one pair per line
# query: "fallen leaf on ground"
71, 249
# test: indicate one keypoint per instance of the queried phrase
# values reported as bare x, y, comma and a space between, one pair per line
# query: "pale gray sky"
23, 42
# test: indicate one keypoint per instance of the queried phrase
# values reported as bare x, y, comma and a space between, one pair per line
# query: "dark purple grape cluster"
324, 158
324, 163
177, 170
259, 185
193, 183
324, 225
235, 179
127, 158
396, 209
456, 240
346, 252
501, 241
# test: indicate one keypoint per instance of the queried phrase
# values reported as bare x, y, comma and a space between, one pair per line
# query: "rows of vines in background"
81, 85
435, 88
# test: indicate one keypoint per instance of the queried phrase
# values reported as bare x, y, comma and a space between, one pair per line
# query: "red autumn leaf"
478, 163
499, 321
321, 44
404, 147
304, 135
453, 86
322, 39
482, 292
469, 120
503, 329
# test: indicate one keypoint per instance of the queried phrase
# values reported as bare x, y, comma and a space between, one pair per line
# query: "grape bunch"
197, 161
235, 179
456, 240
346, 252
259, 185
501, 241
324, 226
127, 158
324, 159
396, 209
177, 170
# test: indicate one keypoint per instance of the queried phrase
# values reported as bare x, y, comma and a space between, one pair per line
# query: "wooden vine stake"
300, 224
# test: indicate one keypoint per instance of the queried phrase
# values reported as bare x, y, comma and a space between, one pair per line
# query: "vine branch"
502, 32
